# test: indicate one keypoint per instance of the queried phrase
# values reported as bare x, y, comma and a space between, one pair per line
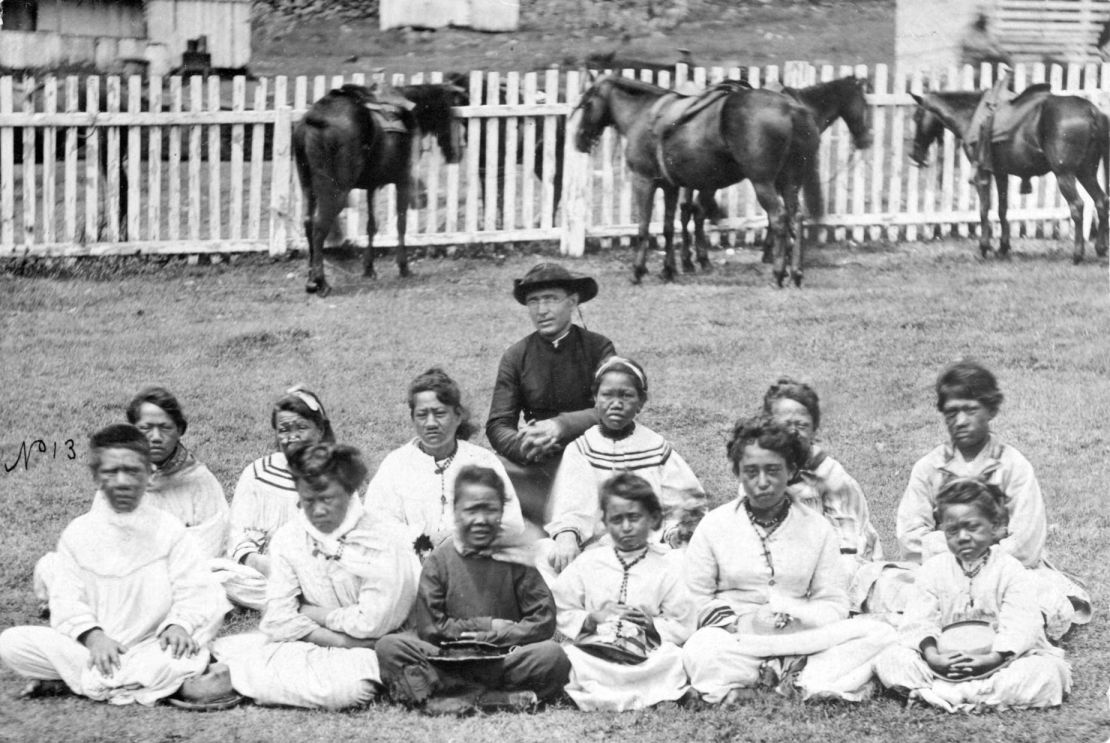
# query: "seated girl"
770, 588
821, 482
266, 497
415, 484
628, 594
615, 444
340, 578
180, 485
974, 581
466, 595
132, 603
969, 398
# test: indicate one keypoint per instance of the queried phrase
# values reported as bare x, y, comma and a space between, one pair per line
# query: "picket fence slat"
92, 160
205, 173
49, 164
134, 158
71, 163
177, 103
29, 169
154, 164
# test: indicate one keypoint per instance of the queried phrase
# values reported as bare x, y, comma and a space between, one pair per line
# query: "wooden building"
929, 32
110, 33
481, 15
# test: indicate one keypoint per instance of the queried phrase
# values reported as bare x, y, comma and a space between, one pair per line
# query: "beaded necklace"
318, 551
625, 568
764, 530
440, 467
972, 572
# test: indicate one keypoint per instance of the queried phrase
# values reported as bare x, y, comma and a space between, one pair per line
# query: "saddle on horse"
676, 108
1003, 117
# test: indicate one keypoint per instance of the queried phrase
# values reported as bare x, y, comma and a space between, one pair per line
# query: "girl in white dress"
132, 603
975, 581
266, 498
618, 443
628, 584
415, 483
340, 579
822, 483
770, 587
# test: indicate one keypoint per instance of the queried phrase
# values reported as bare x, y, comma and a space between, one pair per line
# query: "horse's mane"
960, 99
835, 89
433, 105
629, 85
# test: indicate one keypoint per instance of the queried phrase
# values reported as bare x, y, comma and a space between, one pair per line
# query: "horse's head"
594, 117
928, 127
434, 116
857, 113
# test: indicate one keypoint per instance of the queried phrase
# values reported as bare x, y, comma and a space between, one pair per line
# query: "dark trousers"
541, 667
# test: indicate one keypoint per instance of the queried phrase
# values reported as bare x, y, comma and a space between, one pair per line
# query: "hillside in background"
342, 36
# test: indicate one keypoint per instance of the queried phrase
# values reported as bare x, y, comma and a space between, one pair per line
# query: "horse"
675, 142
350, 139
1066, 135
845, 98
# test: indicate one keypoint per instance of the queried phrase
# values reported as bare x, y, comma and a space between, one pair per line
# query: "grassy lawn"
871, 330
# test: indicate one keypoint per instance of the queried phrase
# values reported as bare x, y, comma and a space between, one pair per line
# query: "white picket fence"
162, 137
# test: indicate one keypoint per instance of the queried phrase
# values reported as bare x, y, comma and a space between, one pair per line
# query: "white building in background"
481, 15
110, 34
929, 32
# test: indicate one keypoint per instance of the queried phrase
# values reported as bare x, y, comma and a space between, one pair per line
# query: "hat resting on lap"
543, 275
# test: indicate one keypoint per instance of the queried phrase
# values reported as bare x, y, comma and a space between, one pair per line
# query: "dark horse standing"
675, 142
1066, 135
845, 98
342, 144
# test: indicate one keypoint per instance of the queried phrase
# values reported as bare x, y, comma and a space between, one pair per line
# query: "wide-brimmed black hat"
543, 275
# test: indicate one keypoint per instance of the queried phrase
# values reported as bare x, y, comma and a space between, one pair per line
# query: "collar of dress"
990, 455
331, 541
179, 460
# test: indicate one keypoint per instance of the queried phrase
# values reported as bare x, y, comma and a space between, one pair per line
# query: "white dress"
132, 575
1004, 594
1063, 601
409, 489
364, 574
595, 457
593, 580
265, 499
735, 577
183, 488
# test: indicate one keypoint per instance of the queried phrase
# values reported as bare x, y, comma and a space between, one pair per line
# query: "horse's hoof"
1076, 259
311, 286
668, 274
798, 279
405, 272
984, 250
638, 273
323, 289
706, 266
369, 273
688, 267
767, 257
779, 278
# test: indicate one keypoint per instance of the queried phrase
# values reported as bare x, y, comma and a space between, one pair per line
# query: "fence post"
7, 166
572, 238
279, 187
